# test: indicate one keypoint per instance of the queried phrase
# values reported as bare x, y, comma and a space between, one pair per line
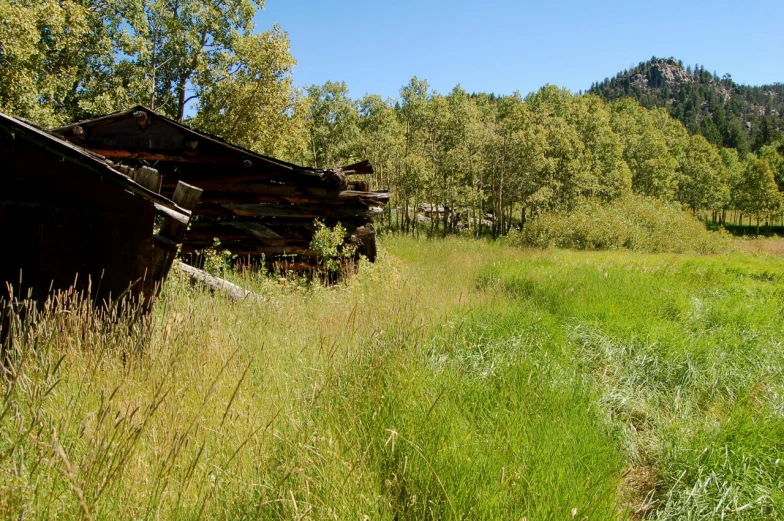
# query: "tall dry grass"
453, 379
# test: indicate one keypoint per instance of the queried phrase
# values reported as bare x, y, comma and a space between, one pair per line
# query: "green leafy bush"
218, 261
631, 222
330, 245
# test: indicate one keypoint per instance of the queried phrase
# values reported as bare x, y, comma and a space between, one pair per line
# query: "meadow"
453, 379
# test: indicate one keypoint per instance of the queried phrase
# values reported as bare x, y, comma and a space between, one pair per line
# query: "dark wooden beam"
121, 154
302, 211
361, 168
288, 194
171, 234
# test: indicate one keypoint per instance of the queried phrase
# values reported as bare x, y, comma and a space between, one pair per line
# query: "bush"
333, 250
631, 222
217, 261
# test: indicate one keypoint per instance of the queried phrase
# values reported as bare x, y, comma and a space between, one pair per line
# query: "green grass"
687, 353
453, 380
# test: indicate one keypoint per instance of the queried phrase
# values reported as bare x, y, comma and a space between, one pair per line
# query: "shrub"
218, 261
631, 222
330, 245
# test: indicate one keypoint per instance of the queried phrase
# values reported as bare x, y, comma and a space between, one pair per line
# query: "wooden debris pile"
256, 206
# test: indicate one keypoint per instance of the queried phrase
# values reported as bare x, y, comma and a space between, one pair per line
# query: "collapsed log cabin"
256, 206
71, 219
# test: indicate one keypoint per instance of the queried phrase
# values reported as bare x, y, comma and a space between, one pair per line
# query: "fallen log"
217, 284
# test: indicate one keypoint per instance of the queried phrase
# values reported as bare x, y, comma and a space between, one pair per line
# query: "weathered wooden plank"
308, 211
217, 284
172, 230
257, 230
232, 229
336, 179
361, 168
184, 218
237, 183
294, 195
204, 176
204, 233
219, 189
148, 178
243, 242
150, 155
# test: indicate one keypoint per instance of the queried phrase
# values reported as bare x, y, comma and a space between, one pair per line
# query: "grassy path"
687, 355
454, 380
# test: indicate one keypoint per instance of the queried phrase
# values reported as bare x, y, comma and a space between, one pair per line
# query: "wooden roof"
89, 162
172, 141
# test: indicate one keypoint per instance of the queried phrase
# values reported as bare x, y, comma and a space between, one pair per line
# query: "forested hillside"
726, 113
485, 164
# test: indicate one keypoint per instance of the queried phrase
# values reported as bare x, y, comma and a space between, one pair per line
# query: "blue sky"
502, 46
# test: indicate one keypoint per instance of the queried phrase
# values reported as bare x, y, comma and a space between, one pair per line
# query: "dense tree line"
495, 162
491, 162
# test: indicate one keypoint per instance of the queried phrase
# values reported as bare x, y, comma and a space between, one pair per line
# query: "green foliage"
632, 222
774, 155
331, 125
183, 50
756, 192
331, 247
647, 148
217, 260
57, 58
704, 182
64, 61
515, 158
250, 106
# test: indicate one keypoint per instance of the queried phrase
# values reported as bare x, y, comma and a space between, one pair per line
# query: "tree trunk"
434, 219
481, 203
182, 88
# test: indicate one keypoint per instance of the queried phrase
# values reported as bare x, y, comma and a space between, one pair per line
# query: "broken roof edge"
94, 163
198, 133
360, 168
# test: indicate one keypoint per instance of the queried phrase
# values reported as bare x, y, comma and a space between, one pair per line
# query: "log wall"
254, 205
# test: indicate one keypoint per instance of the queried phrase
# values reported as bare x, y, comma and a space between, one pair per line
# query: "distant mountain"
726, 113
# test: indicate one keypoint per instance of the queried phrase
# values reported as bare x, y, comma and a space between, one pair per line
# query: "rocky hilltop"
726, 113
661, 73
